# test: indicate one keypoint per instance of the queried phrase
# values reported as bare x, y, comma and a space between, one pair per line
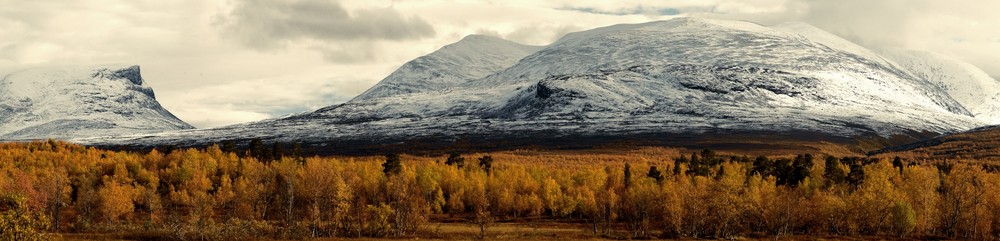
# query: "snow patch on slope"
970, 86
834, 42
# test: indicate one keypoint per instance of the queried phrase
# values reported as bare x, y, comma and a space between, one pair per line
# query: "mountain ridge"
473, 57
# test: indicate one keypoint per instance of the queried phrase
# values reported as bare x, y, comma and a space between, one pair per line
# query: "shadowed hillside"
980, 143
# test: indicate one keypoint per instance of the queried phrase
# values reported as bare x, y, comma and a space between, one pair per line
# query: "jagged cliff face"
71, 102
678, 77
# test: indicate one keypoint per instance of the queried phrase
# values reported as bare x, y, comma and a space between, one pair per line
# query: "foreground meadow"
55, 190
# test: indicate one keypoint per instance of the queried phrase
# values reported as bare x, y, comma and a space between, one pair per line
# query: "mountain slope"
831, 41
968, 85
473, 57
73, 102
979, 144
676, 79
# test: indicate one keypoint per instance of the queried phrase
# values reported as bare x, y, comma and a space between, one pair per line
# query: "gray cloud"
348, 52
533, 34
548, 33
873, 23
326, 24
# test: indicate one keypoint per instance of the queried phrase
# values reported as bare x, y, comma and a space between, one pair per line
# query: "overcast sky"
219, 62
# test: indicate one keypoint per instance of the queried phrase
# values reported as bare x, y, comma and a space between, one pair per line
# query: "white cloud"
202, 116
326, 26
256, 99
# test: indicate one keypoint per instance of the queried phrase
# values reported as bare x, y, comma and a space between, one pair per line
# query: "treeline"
213, 194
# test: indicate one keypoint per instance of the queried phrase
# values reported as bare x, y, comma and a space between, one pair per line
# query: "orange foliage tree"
218, 194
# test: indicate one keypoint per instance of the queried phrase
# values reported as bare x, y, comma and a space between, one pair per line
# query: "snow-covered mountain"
968, 85
70, 102
688, 74
680, 77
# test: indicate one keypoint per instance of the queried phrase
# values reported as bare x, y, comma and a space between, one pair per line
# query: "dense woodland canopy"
56, 187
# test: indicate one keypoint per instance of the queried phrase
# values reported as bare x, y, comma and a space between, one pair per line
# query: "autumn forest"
51, 190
